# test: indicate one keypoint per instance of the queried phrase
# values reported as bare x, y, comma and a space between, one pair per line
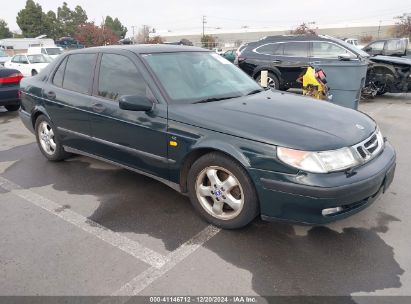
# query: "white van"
52, 51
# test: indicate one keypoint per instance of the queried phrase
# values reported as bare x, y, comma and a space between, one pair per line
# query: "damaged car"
390, 67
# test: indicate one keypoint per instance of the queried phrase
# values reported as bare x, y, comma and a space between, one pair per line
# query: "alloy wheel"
46, 138
219, 193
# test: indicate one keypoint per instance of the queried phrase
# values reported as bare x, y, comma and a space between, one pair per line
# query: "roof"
146, 48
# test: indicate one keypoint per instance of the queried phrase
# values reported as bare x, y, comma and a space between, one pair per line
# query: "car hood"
282, 119
392, 59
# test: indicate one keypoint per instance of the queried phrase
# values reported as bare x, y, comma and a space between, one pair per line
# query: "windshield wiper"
214, 99
255, 91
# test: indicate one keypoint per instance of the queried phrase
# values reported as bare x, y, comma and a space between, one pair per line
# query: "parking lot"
83, 227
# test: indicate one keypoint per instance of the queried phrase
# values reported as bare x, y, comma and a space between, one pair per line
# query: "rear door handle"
277, 61
51, 95
98, 107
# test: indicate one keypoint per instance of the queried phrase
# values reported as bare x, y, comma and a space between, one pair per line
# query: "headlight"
318, 162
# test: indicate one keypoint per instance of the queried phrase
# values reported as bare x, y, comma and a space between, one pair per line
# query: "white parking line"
147, 277
133, 248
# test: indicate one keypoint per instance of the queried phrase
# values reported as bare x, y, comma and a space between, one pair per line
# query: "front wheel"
272, 80
222, 192
48, 141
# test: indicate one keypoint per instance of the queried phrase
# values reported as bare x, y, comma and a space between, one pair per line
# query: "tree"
402, 27
143, 35
155, 40
53, 28
70, 19
31, 20
209, 41
303, 29
116, 26
90, 34
4, 30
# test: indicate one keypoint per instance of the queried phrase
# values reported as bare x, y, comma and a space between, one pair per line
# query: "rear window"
79, 69
296, 49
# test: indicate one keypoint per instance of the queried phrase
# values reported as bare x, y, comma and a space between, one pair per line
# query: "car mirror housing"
135, 103
344, 57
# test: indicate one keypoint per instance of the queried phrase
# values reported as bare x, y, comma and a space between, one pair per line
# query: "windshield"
3, 53
39, 58
53, 51
190, 77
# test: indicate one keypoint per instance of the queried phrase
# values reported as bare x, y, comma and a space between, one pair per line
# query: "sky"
186, 15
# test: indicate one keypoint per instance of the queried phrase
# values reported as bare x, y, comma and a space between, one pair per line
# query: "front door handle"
277, 61
51, 95
98, 107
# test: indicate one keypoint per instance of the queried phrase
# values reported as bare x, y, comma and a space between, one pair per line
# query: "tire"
12, 108
50, 145
273, 81
211, 201
34, 73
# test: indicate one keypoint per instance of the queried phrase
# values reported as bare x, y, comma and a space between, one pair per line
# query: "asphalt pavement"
83, 227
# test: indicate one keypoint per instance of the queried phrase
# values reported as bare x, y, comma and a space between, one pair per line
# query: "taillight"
241, 58
13, 78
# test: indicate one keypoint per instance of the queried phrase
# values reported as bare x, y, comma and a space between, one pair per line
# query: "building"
233, 38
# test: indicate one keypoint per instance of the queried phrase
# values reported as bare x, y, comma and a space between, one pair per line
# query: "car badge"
359, 127
218, 193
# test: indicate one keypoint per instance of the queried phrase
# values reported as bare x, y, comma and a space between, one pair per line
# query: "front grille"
370, 147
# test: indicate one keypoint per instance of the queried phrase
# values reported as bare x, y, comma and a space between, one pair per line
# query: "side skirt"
172, 185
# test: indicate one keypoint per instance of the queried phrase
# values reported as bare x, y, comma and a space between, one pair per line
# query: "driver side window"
328, 50
377, 46
118, 77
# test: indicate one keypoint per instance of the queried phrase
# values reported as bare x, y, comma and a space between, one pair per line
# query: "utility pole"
204, 22
379, 29
133, 39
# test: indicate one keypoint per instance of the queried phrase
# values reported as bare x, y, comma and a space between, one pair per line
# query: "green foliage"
69, 20
34, 22
31, 20
4, 30
116, 26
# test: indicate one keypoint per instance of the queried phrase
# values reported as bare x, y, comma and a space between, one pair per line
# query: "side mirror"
344, 57
135, 103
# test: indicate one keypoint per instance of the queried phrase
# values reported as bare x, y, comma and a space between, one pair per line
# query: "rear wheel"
12, 108
48, 141
272, 80
222, 192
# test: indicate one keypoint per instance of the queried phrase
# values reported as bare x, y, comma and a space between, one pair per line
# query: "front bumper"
303, 197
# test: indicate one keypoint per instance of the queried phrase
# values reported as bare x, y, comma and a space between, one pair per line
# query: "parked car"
219, 51
390, 70
51, 51
286, 57
9, 88
389, 47
190, 119
229, 55
3, 57
354, 42
68, 43
28, 64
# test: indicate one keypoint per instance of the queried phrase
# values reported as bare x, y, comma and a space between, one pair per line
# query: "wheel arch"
274, 70
206, 148
36, 112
